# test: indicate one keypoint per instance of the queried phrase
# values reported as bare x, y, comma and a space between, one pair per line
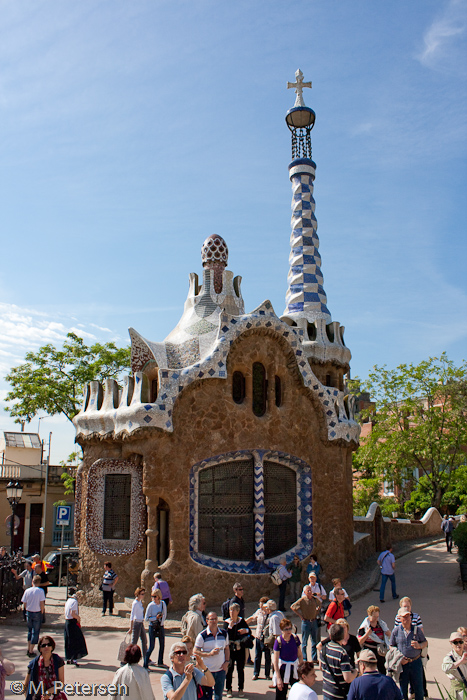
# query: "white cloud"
441, 46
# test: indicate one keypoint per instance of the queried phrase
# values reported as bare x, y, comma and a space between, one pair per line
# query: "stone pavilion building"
230, 444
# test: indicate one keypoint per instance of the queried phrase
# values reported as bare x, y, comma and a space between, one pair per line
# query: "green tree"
52, 380
419, 427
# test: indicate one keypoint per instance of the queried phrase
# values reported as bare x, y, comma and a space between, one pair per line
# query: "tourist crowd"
383, 660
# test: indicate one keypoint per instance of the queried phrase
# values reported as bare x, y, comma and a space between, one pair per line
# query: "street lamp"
14, 491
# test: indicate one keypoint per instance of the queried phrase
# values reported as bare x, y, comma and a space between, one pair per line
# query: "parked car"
52, 559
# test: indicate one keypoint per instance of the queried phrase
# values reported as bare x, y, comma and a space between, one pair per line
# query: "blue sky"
130, 131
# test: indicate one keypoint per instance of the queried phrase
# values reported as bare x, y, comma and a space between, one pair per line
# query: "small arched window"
238, 387
278, 390
259, 389
153, 391
329, 381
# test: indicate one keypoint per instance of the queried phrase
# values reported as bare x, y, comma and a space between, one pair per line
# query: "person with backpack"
409, 640
236, 598
455, 666
182, 679
287, 656
335, 610
335, 665
212, 645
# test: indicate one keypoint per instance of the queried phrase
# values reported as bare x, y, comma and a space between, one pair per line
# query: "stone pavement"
429, 576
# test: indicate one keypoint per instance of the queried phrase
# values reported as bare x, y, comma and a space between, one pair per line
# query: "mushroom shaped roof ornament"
214, 252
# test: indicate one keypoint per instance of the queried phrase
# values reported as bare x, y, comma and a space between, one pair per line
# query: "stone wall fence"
373, 531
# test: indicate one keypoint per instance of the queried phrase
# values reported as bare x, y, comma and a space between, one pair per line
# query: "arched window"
227, 506
312, 332
278, 390
117, 507
238, 387
225, 511
259, 389
280, 501
153, 391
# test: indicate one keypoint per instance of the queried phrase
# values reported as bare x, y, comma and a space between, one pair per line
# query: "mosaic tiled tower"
306, 302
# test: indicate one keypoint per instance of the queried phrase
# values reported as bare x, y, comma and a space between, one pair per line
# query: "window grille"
280, 500
117, 507
225, 511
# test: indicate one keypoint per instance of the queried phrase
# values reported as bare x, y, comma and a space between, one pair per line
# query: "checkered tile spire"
305, 296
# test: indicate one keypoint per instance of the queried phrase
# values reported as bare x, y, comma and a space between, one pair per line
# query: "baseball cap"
455, 636
402, 612
367, 655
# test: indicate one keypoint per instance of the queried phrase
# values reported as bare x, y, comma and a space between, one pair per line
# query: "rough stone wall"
207, 422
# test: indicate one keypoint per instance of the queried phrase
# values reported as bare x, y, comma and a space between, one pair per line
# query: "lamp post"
14, 491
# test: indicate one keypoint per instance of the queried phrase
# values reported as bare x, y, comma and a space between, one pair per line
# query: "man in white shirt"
316, 588
306, 678
34, 604
212, 644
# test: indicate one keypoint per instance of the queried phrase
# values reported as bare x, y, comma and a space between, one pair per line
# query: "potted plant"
459, 537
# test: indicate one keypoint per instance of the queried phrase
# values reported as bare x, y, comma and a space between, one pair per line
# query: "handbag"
122, 647
382, 649
347, 605
155, 625
247, 641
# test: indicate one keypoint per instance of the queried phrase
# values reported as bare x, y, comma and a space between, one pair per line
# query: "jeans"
261, 647
236, 656
384, 578
295, 589
412, 673
34, 626
152, 643
139, 633
310, 629
108, 597
219, 682
282, 590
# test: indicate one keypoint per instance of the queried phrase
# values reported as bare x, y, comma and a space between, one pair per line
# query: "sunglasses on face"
458, 642
180, 652
287, 629
46, 644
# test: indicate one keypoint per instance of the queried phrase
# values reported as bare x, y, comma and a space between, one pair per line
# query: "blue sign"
63, 515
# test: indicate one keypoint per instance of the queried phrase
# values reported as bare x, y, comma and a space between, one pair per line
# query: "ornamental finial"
299, 85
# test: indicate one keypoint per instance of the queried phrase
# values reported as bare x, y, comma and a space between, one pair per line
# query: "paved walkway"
429, 576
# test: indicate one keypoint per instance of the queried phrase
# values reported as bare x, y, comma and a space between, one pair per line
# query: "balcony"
22, 472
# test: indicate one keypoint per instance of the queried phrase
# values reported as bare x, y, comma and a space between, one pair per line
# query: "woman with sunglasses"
455, 666
46, 668
287, 656
156, 614
137, 630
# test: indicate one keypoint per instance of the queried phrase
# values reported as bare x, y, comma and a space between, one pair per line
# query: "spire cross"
299, 85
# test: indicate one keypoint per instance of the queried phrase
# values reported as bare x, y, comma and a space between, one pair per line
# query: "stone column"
151, 563
258, 509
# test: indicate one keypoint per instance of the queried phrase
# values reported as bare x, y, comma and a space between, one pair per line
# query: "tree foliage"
419, 428
52, 380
